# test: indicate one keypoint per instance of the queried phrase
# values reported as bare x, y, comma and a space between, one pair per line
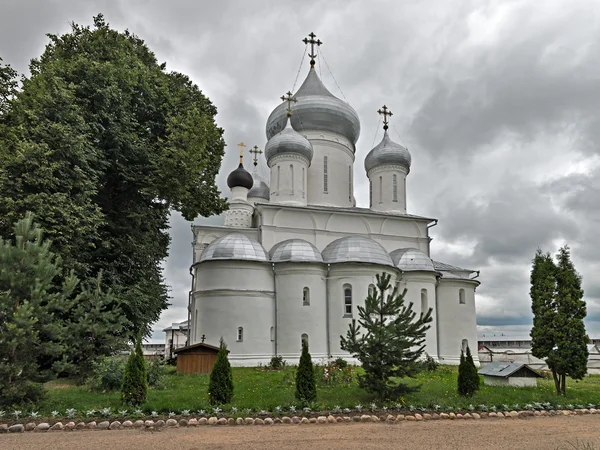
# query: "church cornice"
387, 168
288, 157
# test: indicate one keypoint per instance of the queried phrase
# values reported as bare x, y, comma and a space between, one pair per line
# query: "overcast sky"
498, 102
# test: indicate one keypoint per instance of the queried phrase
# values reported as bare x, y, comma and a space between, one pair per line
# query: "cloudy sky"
498, 102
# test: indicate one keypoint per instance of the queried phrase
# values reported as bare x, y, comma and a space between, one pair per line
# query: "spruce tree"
558, 332
468, 378
220, 386
394, 340
135, 384
306, 385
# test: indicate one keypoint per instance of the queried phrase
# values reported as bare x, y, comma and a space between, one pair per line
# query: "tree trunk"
556, 378
563, 384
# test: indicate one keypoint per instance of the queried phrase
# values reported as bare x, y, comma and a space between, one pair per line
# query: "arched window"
304, 339
278, 177
372, 290
461, 296
465, 345
424, 301
394, 188
305, 297
196, 326
303, 188
350, 183
240, 336
272, 334
325, 174
347, 300
292, 177
370, 193
380, 189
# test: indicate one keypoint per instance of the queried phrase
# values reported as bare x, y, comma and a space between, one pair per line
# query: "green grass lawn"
259, 389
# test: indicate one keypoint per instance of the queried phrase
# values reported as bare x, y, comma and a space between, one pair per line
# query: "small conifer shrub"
306, 386
220, 386
468, 378
135, 385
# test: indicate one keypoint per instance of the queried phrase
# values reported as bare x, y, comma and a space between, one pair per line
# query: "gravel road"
580, 432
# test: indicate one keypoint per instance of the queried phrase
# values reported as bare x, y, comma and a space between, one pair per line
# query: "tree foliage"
393, 342
306, 383
102, 143
468, 378
558, 334
47, 328
220, 386
8, 85
135, 384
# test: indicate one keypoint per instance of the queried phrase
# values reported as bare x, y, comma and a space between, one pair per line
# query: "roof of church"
295, 250
240, 177
412, 259
387, 152
288, 141
234, 246
449, 268
358, 249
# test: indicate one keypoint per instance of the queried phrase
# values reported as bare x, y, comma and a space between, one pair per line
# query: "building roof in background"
178, 326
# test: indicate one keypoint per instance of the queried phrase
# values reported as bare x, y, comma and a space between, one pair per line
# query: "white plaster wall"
289, 180
511, 381
293, 318
359, 277
381, 181
415, 282
340, 170
239, 214
456, 321
232, 294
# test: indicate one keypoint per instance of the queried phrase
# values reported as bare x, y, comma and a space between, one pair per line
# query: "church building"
296, 256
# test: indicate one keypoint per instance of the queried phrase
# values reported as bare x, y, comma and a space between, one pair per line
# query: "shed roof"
504, 370
200, 345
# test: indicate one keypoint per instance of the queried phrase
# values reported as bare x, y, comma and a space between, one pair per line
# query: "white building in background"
296, 257
175, 337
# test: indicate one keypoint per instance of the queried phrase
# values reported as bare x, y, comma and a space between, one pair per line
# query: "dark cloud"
497, 102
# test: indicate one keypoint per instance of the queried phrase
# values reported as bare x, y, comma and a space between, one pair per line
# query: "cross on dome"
385, 113
241, 145
312, 43
255, 151
289, 98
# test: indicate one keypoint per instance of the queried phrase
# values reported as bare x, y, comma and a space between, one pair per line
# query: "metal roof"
411, 259
356, 249
503, 369
449, 268
295, 250
387, 152
288, 141
234, 246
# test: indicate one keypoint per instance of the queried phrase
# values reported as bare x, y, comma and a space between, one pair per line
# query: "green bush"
107, 374
22, 394
220, 386
468, 378
430, 364
306, 387
135, 384
156, 370
276, 363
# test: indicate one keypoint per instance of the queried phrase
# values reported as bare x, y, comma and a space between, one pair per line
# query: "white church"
296, 257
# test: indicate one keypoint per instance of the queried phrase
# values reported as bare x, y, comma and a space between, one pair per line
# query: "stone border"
172, 423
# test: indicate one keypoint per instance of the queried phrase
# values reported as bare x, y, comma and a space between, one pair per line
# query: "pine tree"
135, 384
558, 332
468, 378
394, 340
306, 386
220, 386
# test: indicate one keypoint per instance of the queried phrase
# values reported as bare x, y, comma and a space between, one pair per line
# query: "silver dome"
411, 259
295, 250
317, 109
260, 189
356, 249
387, 152
234, 246
288, 141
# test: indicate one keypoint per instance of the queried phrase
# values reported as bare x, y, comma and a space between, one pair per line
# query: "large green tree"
102, 143
558, 334
393, 342
47, 328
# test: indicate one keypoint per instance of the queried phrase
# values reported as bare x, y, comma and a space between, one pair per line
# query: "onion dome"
234, 246
387, 152
356, 249
288, 141
240, 177
317, 109
295, 250
412, 259
260, 189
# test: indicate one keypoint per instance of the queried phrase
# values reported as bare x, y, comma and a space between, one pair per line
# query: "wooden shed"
197, 358
509, 374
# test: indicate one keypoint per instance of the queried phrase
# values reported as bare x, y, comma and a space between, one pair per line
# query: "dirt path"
581, 432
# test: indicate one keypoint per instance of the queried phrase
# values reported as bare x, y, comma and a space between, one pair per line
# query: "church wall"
204, 235
358, 277
339, 188
417, 284
289, 175
293, 317
230, 295
382, 187
457, 322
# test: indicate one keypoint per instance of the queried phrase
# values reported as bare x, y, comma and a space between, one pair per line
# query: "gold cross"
256, 151
312, 43
385, 113
241, 145
289, 98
